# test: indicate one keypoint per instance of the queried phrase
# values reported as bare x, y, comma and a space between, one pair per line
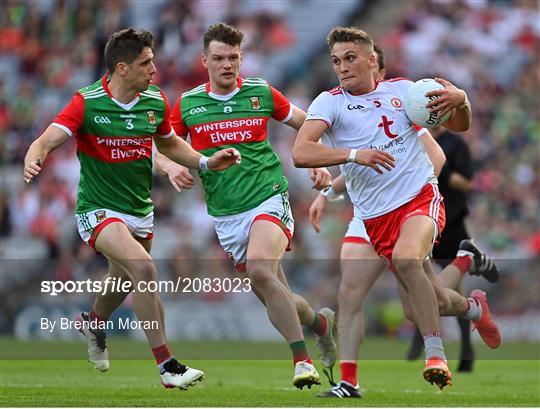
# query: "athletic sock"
299, 351
434, 346
162, 355
474, 310
94, 317
319, 324
348, 372
462, 263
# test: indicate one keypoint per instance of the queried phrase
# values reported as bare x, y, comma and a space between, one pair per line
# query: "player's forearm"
161, 162
460, 182
338, 184
51, 138
180, 152
307, 154
461, 117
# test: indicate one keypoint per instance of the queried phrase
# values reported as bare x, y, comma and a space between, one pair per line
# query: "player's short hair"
223, 33
125, 46
349, 35
380, 56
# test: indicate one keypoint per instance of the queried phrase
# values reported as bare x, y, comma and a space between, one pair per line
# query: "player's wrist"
203, 162
330, 194
465, 102
352, 155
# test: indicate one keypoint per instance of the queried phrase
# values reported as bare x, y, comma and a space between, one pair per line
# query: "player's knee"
406, 264
259, 273
145, 270
350, 298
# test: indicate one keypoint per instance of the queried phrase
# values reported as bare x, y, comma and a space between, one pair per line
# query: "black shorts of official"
445, 252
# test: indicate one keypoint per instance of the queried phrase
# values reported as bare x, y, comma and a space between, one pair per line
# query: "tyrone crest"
151, 117
255, 103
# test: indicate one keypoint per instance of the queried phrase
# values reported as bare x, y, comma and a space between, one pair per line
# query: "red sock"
462, 263
161, 353
319, 324
94, 317
300, 352
348, 372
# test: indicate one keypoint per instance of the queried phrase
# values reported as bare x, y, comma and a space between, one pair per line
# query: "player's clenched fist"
224, 159
31, 169
374, 158
320, 177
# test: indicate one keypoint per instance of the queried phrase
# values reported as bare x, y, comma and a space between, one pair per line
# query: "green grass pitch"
249, 382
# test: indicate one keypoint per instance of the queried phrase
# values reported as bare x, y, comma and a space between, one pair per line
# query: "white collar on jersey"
224, 97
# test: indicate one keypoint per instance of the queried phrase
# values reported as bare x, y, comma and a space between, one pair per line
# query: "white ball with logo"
415, 104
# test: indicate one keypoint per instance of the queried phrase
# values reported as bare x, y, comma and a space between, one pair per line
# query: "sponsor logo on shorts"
100, 216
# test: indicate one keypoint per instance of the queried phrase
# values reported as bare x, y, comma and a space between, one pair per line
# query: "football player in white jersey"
365, 124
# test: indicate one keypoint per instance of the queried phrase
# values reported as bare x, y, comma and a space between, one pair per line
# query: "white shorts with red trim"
233, 231
91, 223
356, 232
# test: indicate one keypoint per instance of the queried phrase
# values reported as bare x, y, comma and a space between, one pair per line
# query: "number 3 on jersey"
129, 124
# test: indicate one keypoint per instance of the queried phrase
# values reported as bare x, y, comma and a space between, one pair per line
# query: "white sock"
474, 313
434, 346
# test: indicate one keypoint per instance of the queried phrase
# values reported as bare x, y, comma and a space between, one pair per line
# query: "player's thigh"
267, 241
415, 239
117, 244
360, 268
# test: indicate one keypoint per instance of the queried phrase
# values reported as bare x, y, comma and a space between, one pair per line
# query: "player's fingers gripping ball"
415, 104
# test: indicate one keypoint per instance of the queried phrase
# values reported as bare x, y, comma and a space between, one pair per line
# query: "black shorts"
445, 252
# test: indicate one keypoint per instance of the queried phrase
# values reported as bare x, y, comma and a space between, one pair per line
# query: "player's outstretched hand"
179, 176
31, 170
320, 177
373, 158
316, 211
224, 159
448, 98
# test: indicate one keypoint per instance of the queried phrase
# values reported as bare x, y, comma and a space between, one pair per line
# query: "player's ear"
121, 68
204, 60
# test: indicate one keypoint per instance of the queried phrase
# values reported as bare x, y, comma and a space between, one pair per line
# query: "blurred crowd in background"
49, 49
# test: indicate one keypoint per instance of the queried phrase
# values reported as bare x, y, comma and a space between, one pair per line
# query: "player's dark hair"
125, 46
223, 33
349, 35
380, 56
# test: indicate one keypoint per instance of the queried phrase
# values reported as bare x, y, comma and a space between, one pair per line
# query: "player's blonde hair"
350, 35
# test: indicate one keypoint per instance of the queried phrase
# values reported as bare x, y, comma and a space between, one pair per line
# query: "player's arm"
451, 98
178, 175
318, 207
178, 150
307, 152
48, 141
434, 151
459, 175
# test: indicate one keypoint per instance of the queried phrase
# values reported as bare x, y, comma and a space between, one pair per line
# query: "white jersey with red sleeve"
375, 120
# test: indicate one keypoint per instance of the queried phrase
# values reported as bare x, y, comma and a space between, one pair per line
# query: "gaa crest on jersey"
255, 102
396, 102
151, 117
100, 216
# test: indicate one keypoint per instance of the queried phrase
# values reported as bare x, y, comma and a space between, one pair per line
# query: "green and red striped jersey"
237, 120
114, 146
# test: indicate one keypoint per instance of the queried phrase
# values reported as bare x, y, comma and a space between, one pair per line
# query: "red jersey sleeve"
176, 121
164, 130
70, 119
282, 106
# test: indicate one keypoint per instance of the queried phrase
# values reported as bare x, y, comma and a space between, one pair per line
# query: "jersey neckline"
228, 96
126, 107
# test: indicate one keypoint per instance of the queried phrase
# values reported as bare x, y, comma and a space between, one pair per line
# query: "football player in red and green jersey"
114, 121
249, 204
